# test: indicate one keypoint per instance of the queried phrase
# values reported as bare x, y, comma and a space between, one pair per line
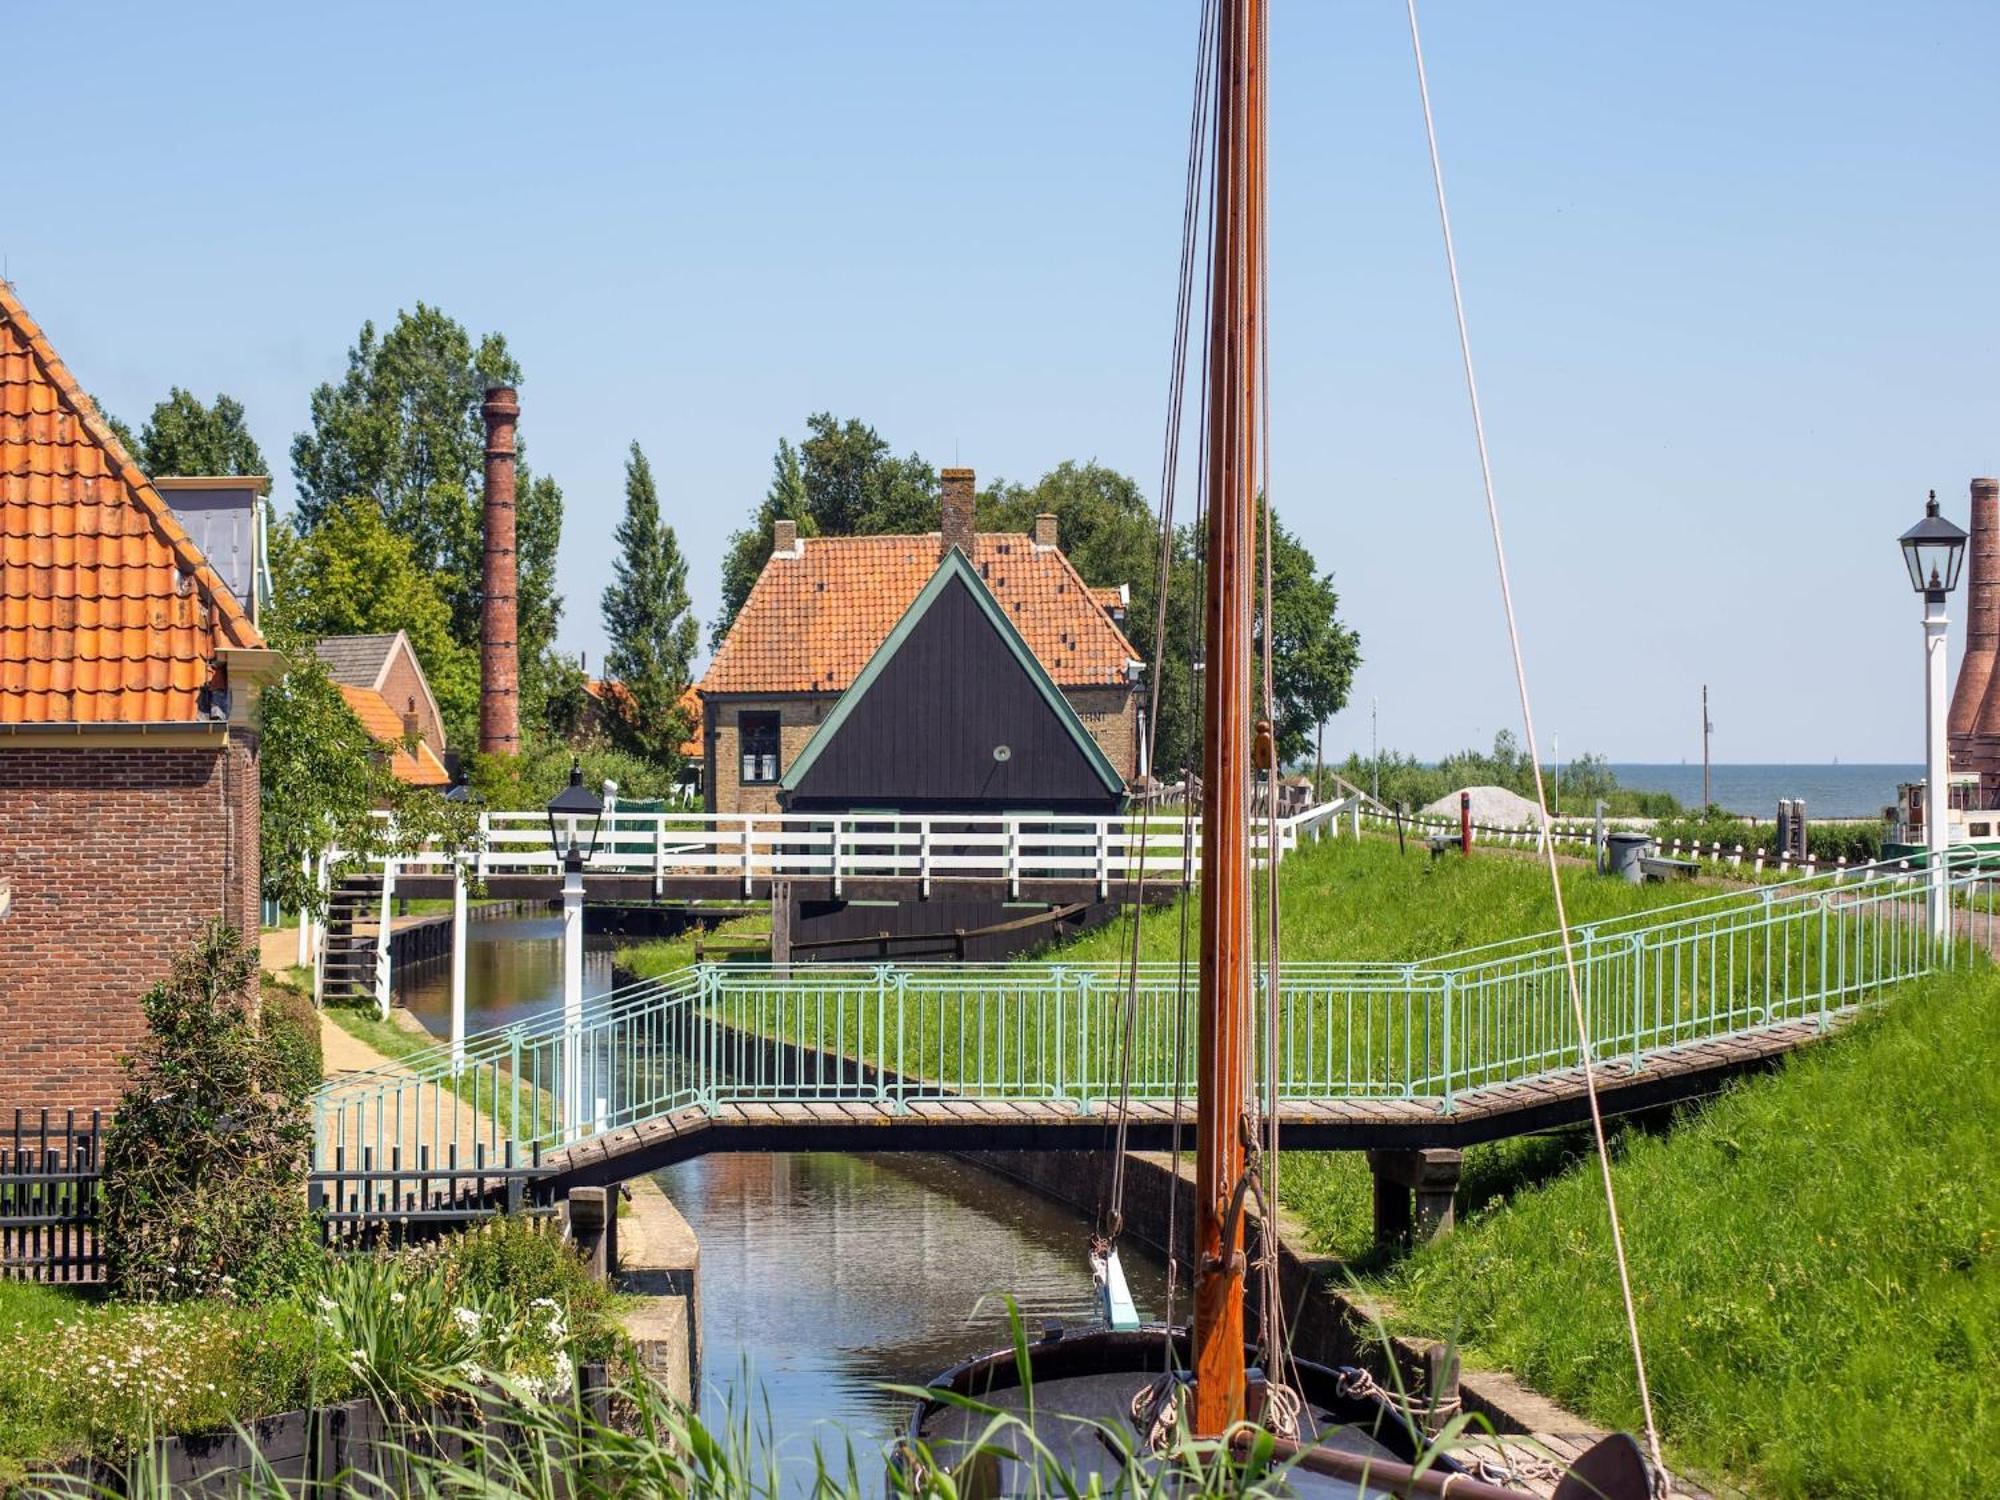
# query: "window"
757, 738
1982, 830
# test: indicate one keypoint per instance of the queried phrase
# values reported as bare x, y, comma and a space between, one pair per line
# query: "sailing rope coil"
1535, 759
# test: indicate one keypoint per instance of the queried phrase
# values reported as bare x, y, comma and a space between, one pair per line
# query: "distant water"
1753, 791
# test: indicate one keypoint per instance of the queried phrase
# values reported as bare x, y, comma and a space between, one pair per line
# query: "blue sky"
1731, 273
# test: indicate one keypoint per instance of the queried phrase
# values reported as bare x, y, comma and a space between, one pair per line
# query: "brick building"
128, 761
823, 606
384, 685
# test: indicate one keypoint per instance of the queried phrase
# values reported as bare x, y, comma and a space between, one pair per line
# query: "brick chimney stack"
955, 524
1975, 711
410, 719
1045, 530
785, 538
500, 607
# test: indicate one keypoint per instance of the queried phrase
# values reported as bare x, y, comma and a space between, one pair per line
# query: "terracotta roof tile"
417, 766
108, 611
814, 619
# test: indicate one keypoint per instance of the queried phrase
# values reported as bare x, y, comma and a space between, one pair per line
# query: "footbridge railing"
1430, 1031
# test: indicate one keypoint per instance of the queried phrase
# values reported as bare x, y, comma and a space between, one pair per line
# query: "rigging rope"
1534, 757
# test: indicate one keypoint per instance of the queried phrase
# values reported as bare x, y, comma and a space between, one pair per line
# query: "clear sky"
1731, 272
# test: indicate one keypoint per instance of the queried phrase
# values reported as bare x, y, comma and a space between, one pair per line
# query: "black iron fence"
48, 1196
51, 1162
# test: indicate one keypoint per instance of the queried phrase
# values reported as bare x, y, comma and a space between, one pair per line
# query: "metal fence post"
1450, 1004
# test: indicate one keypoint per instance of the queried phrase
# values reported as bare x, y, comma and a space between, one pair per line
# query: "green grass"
485, 1088
658, 958
1817, 1256
1340, 899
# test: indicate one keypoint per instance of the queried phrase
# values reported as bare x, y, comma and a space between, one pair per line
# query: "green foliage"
528, 1259
648, 617
1313, 656
183, 436
749, 549
1408, 782
403, 429
530, 779
118, 430
355, 572
322, 779
842, 480
291, 1034
82, 1376
1857, 843
1816, 1258
206, 1163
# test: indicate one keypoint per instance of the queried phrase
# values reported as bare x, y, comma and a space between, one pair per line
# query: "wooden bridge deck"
867, 1124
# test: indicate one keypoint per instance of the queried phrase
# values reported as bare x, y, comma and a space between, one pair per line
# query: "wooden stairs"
353, 908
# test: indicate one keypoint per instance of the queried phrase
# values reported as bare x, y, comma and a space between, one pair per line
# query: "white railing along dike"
1434, 1030
758, 847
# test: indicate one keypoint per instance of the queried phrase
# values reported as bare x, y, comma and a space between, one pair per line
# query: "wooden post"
593, 1224
1429, 1175
781, 925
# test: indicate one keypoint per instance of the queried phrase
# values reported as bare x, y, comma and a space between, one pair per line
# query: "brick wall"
1111, 714
402, 683
117, 857
798, 717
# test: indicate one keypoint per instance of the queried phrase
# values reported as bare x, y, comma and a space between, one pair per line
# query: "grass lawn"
1817, 1256
658, 957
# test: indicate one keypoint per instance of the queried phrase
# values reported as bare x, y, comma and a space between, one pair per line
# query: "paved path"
432, 1117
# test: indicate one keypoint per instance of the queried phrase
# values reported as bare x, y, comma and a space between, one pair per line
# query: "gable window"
757, 738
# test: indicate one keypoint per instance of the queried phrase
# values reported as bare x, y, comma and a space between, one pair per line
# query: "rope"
1155, 1411
1534, 756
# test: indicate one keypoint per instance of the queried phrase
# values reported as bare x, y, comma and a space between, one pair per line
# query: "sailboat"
1335, 1432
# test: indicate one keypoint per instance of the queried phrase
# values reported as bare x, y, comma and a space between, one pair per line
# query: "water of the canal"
823, 1278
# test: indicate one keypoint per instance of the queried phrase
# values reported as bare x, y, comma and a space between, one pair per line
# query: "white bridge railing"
749, 848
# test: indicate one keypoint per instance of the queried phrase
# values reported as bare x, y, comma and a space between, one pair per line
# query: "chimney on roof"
955, 523
1973, 727
784, 538
410, 719
1045, 530
499, 610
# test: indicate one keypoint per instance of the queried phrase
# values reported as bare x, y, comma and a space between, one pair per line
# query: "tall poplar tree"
184, 435
648, 618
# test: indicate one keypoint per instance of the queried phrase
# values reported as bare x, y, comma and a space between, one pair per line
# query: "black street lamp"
1933, 551
567, 809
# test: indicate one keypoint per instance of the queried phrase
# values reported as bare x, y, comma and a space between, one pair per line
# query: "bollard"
1465, 822
593, 1225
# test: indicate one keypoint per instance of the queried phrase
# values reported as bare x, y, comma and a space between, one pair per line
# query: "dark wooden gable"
954, 713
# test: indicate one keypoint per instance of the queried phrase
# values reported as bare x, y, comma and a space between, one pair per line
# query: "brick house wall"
402, 682
117, 856
799, 714
1111, 714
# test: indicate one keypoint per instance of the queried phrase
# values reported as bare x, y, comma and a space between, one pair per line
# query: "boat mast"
1235, 315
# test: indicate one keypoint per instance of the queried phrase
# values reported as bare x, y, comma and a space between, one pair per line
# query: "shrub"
291, 1033
206, 1163
527, 1259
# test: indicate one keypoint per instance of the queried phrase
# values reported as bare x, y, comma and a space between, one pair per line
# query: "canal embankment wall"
659, 1270
1332, 1322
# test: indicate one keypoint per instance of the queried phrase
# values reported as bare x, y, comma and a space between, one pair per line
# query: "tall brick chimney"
955, 524
1047, 530
1973, 727
500, 607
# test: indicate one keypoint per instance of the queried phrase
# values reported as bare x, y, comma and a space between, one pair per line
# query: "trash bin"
1622, 854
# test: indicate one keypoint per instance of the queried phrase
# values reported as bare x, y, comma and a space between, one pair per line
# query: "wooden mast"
1235, 314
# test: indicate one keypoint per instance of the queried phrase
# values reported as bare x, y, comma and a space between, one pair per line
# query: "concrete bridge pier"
1429, 1175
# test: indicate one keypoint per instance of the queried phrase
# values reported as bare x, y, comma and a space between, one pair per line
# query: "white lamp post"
1933, 549
568, 809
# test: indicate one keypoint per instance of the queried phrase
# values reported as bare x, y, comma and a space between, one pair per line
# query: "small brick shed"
128, 756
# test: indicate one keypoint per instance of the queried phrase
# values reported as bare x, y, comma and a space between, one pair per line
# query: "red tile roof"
417, 766
108, 611
815, 618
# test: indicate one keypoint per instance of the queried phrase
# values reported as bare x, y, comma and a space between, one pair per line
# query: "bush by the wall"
291, 1032
207, 1158
1857, 843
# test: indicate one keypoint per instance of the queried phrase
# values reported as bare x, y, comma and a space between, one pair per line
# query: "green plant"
527, 1259
291, 1033
206, 1162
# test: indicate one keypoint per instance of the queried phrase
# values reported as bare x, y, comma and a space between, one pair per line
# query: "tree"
403, 428
648, 618
356, 574
205, 1169
750, 548
185, 437
1313, 656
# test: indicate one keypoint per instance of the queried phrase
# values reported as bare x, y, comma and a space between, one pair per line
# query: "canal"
823, 1278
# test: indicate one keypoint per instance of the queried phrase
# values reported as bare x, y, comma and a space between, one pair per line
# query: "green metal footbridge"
1465, 1047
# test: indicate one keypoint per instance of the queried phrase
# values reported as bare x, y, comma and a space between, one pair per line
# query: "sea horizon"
1831, 789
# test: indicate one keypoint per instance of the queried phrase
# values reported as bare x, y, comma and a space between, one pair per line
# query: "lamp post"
568, 810
1933, 549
